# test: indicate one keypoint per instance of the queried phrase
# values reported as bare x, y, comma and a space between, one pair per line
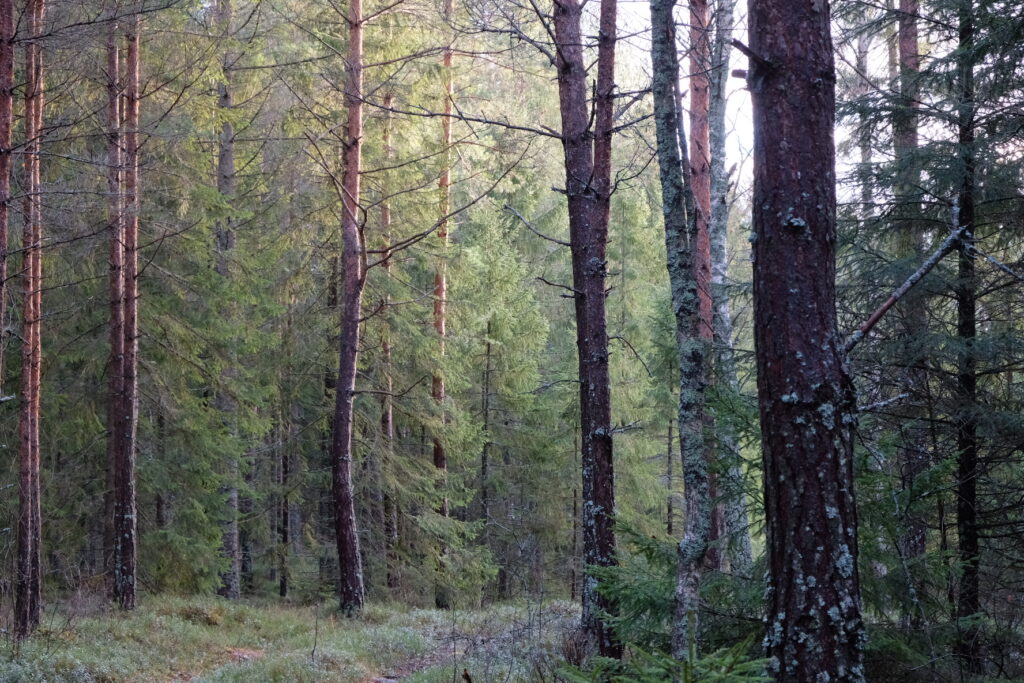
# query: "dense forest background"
224, 132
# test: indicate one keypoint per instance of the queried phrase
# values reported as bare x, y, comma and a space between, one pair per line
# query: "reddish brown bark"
28, 572
587, 155
125, 544
815, 630
116, 284
350, 567
700, 179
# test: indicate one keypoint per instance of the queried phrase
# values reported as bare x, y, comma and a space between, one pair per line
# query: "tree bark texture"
351, 594
701, 66
28, 578
736, 520
679, 209
587, 155
815, 630
387, 412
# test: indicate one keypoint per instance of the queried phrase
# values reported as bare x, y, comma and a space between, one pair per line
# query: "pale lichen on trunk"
692, 348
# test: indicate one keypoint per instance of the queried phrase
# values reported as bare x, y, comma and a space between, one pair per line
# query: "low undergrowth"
209, 639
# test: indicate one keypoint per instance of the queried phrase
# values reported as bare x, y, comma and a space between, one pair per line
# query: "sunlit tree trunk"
813, 611
587, 154
28, 572
351, 593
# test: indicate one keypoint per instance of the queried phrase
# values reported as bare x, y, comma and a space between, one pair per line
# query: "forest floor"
206, 639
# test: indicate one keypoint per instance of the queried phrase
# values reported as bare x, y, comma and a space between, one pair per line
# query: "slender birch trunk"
736, 519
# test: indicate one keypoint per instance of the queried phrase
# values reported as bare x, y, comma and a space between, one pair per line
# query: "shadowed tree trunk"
969, 596
115, 371
28, 572
680, 214
387, 411
351, 594
815, 630
587, 154
913, 449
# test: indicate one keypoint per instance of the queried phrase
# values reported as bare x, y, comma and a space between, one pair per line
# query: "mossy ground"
208, 639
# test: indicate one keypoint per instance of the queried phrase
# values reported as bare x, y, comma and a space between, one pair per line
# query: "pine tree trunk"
815, 629
115, 371
28, 572
588, 185
969, 596
913, 449
350, 575
125, 526
700, 160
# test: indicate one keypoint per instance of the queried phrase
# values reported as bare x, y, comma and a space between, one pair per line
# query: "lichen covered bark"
692, 348
815, 630
587, 154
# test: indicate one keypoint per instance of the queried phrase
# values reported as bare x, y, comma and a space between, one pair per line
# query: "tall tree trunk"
815, 630
6, 139
588, 188
700, 150
115, 170
29, 569
350, 565
969, 595
387, 411
736, 520
913, 450
670, 506
680, 211
125, 526
224, 402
